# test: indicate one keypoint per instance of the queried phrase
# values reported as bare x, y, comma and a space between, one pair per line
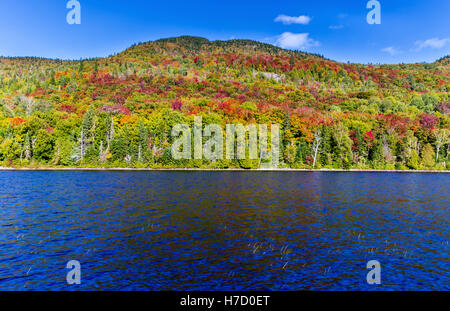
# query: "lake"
176, 230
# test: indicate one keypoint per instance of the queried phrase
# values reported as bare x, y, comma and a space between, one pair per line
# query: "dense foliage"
119, 111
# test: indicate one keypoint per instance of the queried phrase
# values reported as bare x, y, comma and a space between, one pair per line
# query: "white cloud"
336, 27
391, 50
290, 40
434, 43
287, 20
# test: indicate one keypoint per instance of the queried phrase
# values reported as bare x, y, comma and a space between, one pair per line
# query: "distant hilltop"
198, 44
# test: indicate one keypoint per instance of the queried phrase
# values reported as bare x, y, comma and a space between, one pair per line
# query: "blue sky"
410, 30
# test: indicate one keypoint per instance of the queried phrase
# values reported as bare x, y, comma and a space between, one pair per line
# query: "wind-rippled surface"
224, 230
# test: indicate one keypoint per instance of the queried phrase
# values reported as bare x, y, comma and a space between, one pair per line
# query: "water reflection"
223, 230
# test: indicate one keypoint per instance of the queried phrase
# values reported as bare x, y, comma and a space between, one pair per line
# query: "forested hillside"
119, 111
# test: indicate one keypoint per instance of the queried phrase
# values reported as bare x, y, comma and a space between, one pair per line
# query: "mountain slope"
143, 91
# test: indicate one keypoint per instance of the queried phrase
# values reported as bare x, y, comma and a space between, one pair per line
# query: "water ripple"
223, 230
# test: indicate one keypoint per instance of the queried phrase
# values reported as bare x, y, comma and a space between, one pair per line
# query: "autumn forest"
119, 111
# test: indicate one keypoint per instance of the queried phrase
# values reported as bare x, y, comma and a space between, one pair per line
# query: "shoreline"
218, 170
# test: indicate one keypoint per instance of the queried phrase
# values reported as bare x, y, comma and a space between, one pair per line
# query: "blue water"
224, 230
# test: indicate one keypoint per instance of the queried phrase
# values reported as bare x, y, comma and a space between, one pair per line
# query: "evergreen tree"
428, 159
413, 162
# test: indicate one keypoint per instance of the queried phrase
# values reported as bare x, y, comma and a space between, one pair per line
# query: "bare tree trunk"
101, 153
316, 145
140, 154
82, 145
441, 139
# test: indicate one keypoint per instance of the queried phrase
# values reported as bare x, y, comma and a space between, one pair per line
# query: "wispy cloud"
290, 40
391, 50
434, 43
336, 27
287, 20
